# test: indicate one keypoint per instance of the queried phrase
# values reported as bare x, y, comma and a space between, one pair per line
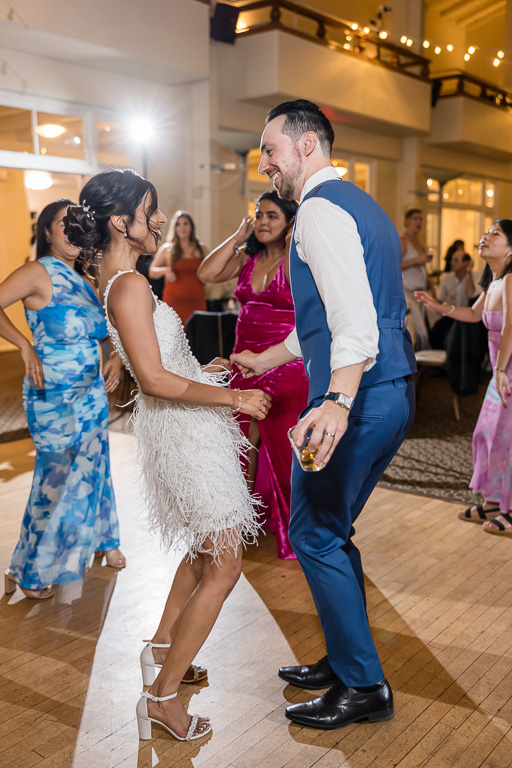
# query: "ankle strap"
148, 695
157, 645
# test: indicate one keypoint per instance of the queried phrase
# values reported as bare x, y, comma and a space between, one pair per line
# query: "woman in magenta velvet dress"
258, 254
492, 438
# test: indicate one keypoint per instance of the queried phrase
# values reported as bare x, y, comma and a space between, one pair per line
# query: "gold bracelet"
500, 370
238, 408
112, 354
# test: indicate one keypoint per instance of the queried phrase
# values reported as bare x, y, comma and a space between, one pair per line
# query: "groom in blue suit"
350, 308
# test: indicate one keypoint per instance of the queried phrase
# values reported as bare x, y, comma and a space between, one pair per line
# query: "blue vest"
382, 255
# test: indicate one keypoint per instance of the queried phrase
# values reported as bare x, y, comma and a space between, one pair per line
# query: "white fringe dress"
192, 481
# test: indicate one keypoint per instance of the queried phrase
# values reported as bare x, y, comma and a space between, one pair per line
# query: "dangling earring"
125, 232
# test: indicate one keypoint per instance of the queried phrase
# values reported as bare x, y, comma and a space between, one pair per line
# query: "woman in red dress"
258, 255
178, 260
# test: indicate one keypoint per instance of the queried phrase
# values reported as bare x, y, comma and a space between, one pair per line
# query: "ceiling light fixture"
50, 130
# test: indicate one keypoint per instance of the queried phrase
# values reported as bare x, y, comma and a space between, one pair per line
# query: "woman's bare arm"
505, 347
160, 265
465, 314
131, 306
31, 284
225, 262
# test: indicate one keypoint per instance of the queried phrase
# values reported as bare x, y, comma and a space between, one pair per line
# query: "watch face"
340, 399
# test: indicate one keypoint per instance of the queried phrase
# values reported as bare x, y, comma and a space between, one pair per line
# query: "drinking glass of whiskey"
304, 455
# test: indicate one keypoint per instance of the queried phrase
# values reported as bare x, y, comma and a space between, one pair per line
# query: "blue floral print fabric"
71, 510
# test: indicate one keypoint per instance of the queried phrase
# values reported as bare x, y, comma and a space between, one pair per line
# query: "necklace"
269, 269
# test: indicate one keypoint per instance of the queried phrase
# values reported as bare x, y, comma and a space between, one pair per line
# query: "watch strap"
340, 399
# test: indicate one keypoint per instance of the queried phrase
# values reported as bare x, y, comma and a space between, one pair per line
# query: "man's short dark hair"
303, 116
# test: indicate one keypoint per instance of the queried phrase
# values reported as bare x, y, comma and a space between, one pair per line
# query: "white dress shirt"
453, 290
327, 240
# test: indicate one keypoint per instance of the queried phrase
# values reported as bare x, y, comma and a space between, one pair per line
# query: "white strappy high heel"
148, 665
144, 721
150, 668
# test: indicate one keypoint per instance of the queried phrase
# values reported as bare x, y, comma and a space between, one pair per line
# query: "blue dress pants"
324, 507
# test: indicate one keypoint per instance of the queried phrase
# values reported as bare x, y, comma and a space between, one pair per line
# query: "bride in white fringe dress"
189, 443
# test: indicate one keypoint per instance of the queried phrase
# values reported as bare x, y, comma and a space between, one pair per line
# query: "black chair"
211, 334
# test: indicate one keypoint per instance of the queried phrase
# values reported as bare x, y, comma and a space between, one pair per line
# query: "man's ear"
309, 142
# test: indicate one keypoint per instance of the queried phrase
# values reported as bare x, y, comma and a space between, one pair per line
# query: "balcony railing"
463, 84
327, 30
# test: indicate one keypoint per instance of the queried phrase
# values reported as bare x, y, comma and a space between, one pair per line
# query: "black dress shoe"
312, 676
341, 706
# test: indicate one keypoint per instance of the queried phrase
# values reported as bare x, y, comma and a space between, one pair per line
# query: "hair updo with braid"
117, 192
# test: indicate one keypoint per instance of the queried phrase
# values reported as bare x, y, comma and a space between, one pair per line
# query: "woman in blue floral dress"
71, 511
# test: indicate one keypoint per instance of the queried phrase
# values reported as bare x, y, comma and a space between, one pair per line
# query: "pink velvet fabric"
266, 319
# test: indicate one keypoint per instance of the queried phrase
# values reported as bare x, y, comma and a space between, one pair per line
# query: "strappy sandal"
113, 562
10, 585
501, 530
482, 513
150, 668
144, 721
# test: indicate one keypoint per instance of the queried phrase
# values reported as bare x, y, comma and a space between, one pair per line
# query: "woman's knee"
226, 573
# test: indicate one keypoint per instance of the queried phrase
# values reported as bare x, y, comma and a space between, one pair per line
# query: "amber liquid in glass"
305, 456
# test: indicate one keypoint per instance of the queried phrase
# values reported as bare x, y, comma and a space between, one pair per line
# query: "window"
16, 130
60, 135
356, 171
362, 176
463, 213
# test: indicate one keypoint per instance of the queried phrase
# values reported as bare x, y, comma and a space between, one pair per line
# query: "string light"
346, 46
426, 44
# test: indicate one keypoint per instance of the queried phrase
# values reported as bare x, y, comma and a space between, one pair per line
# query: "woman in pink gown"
258, 254
492, 438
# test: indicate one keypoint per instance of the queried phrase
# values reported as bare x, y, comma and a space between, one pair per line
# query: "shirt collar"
324, 174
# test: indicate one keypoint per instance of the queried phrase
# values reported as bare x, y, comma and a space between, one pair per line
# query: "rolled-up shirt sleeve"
292, 343
328, 241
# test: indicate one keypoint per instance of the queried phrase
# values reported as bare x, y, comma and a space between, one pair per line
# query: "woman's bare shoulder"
129, 287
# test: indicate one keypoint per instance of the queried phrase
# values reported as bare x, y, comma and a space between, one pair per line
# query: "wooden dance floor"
439, 594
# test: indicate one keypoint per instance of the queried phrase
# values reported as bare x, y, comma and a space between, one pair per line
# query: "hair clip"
87, 210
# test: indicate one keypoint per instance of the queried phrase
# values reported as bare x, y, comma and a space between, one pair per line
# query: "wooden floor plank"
440, 611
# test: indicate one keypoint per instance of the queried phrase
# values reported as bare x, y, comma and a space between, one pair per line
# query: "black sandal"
466, 515
502, 529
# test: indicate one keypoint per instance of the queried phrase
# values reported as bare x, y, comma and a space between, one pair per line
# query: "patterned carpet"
435, 459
